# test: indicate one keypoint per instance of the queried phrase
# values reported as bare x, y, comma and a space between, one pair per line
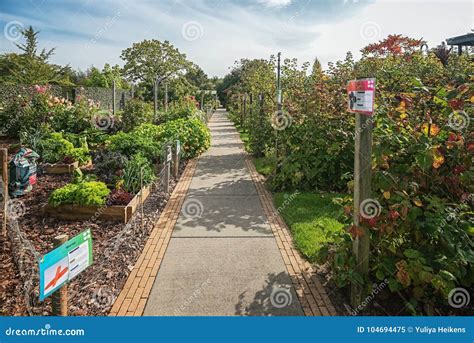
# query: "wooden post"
362, 191
251, 104
167, 169
166, 96
4, 166
177, 148
245, 110
59, 297
155, 97
202, 100
113, 98
241, 107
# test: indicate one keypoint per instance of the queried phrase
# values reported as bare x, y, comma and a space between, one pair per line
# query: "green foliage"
109, 165
135, 113
149, 58
30, 67
55, 148
149, 139
145, 139
422, 163
138, 171
90, 193
192, 133
105, 77
71, 118
23, 112
185, 108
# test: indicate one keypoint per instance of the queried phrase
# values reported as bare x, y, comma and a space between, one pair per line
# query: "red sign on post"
361, 95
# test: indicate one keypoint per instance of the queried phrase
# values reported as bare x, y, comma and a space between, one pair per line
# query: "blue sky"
215, 33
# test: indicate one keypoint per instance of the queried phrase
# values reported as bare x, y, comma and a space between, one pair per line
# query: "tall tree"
31, 67
149, 59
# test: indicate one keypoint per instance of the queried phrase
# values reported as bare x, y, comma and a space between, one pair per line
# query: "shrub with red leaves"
119, 197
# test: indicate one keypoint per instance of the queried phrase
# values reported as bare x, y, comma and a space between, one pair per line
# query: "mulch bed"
116, 248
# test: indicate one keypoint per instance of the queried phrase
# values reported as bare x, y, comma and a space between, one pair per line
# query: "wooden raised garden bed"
62, 168
111, 213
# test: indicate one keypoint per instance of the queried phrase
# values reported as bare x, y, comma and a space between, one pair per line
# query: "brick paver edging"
134, 295
311, 293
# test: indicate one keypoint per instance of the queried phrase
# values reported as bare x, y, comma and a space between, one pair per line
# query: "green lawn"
311, 218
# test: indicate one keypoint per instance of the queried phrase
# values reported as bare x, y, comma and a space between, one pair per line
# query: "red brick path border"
134, 295
311, 293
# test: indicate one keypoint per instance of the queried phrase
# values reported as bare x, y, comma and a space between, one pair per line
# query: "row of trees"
144, 62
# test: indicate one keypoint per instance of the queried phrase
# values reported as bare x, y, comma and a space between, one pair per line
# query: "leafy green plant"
145, 139
192, 133
55, 148
91, 193
138, 171
109, 165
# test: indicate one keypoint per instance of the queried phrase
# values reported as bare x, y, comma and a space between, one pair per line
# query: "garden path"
222, 258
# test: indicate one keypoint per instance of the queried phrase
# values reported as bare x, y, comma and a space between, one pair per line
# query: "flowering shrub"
421, 232
25, 111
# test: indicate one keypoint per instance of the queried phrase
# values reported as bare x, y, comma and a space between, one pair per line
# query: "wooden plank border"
112, 212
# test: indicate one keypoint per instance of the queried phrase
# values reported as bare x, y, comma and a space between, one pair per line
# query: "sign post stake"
4, 165
177, 149
167, 168
59, 298
166, 96
114, 100
155, 96
361, 94
245, 111
362, 191
251, 105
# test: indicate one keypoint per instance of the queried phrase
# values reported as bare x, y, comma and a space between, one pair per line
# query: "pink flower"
40, 89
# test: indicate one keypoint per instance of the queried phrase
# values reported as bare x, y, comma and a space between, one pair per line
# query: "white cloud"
275, 3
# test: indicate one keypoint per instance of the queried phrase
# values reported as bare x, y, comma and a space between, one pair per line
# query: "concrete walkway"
222, 258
